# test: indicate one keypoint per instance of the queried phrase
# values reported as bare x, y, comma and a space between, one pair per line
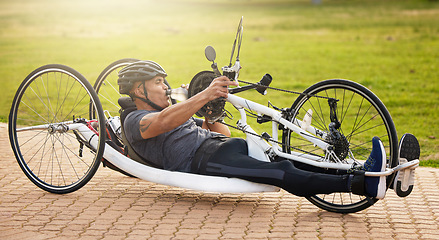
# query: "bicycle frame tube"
56, 126
260, 149
276, 116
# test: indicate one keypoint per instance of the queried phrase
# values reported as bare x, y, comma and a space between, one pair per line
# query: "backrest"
127, 106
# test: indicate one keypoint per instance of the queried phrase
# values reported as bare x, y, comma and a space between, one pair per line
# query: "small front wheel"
50, 154
362, 116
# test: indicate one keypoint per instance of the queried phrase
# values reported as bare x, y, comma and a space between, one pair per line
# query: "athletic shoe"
376, 186
408, 150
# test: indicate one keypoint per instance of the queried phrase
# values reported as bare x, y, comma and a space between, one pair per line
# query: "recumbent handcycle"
61, 128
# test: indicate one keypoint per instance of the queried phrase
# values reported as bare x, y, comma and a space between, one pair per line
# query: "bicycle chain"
284, 90
269, 139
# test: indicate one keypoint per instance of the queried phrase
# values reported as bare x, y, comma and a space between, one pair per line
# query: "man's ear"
138, 92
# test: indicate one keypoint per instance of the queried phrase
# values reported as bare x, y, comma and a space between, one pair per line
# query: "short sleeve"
131, 125
198, 122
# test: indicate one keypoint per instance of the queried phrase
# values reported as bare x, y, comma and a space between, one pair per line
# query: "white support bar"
176, 179
184, 180
411, 164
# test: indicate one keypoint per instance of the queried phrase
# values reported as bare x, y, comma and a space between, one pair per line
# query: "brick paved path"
113, 206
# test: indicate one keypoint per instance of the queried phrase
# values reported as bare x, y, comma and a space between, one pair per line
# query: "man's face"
156, 89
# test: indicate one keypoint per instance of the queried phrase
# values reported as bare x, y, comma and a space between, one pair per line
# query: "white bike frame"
261, 149
258, 148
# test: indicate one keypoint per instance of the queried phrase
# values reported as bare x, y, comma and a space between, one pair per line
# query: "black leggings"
231, 160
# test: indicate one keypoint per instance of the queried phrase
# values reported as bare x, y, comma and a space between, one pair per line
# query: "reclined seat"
127, 106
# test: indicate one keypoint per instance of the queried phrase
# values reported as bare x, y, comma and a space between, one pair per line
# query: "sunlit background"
391, 47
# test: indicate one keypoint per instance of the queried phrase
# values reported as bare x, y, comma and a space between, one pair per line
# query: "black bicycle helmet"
140, 71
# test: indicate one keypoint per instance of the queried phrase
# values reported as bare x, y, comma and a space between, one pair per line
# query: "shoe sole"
408, 150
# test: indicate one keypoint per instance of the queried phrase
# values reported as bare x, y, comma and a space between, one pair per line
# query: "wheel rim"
107, 88
50, 157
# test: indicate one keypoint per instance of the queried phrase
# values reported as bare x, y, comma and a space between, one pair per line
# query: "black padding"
127, 106
126, 102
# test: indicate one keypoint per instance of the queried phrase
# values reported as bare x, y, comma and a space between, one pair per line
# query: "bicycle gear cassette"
213, 110
340, 145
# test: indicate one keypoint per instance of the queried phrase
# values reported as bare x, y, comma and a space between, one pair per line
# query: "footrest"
409, 150
405, 180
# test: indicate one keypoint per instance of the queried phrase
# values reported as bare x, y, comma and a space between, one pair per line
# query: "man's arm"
217, 127
154, 124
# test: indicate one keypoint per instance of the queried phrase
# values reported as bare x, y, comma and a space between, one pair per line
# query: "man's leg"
232, 160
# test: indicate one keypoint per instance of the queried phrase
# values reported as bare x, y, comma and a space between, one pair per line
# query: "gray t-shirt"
173, 150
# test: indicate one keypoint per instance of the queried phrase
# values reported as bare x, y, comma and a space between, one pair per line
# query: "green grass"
391, 47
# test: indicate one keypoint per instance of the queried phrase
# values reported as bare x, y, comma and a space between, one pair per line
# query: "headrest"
126, 102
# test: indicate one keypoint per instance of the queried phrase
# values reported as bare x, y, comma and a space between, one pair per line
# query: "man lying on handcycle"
169, 137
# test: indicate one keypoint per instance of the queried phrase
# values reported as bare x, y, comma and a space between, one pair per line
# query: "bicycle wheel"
51, 97
362, 116
107, 88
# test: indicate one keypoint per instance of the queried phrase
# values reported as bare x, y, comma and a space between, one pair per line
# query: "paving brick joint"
113, 206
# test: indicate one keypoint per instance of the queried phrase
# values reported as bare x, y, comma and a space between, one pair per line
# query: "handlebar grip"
264, 83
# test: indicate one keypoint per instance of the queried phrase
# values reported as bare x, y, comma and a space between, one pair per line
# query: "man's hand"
218, 88
173, 116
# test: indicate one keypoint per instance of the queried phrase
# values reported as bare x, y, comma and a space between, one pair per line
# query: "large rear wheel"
46, 103
107, 88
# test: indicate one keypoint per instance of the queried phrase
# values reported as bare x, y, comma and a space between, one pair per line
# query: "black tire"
106, 86
362, 116
50, 159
